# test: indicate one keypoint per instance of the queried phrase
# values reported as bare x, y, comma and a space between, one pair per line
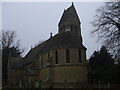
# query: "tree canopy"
10, 47
102, 67
107, 25
101, 58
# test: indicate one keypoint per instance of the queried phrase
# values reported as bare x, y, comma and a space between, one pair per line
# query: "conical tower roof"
69, 15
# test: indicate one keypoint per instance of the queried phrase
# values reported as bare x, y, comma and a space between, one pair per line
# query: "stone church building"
61, 59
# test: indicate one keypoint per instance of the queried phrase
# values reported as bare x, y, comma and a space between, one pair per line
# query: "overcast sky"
33, 22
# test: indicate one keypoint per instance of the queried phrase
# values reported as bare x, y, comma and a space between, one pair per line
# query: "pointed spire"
72, 4
69, 15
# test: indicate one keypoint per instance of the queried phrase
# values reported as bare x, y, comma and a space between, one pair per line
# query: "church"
61, 59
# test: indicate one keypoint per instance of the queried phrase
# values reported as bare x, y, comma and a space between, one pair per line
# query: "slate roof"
61, 40
33, 53
69, 15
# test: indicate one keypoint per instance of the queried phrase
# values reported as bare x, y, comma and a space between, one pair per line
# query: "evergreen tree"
101, 64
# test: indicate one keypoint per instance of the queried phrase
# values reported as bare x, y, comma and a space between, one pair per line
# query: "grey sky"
33, 22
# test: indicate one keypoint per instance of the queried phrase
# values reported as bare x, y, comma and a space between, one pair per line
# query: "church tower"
70, 22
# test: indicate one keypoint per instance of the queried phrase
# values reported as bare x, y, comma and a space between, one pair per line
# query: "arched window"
48, 55
79, 56
67, 56
41, 60
56, 57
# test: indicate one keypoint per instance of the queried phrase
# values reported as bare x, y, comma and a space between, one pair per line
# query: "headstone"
36, 84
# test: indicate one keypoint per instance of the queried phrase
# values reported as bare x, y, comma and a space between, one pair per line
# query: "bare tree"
7, 38
10, 46
107, 25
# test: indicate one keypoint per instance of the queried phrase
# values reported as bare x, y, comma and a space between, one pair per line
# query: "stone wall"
58, 73
15, 75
